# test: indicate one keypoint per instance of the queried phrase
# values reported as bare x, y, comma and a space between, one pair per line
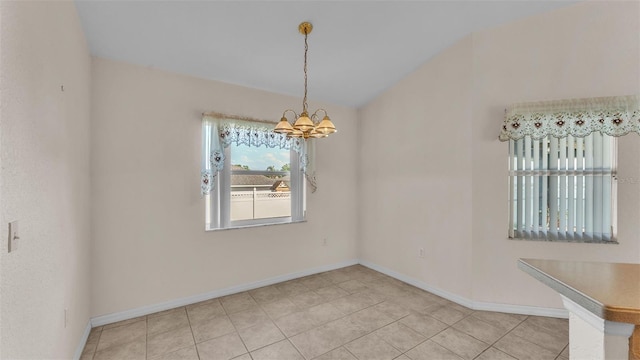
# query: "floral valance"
614, 116
252, 135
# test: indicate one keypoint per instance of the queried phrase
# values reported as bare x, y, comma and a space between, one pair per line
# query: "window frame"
218, 201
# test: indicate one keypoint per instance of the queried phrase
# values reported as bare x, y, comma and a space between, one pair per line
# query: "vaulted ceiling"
357, 48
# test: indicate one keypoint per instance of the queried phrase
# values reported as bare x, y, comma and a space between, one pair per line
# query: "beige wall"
587, 50
44, 149
446, 170
147, 214
415, 156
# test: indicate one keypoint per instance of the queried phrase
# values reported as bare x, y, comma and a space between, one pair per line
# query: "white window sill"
581, 241
255, 225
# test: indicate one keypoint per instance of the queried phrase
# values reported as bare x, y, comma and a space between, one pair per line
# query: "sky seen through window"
259, 158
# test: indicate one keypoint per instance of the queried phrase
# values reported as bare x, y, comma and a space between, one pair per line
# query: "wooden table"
604, 297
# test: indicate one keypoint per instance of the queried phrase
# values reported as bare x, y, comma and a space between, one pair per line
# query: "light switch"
14, 238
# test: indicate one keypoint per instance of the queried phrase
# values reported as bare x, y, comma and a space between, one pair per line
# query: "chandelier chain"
306, 48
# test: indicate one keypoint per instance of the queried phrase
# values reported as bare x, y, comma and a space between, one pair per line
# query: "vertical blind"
563, 188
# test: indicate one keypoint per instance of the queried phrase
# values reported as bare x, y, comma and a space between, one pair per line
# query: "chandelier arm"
323, 110
289, 110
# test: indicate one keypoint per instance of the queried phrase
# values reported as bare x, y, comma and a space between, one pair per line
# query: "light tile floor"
353, 313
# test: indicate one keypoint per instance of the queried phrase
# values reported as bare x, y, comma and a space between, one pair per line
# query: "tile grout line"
340, 318
530, 342
93, 355
566, 346
507, 333
496, 349
235, 327
347, 315
372, 332
470, 335
429, 338
366, 307
451, 327
237, 331
168, 331
415, 312
273, 320
398, 321
354, 355
286, 338
195, 345
146, 339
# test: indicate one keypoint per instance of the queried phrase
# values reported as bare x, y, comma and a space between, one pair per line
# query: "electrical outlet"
324, 242
13, 236
421, 253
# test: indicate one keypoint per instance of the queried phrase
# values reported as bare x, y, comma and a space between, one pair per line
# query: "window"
563, 188
259, 194
251, 175
562, 166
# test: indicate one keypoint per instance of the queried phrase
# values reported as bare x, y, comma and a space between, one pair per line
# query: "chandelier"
305, 126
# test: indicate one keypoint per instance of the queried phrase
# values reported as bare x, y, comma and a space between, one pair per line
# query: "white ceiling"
357, 48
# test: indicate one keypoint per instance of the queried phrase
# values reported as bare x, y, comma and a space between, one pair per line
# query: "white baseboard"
150, 309
83, 341
419, 284
521, 309
475, 305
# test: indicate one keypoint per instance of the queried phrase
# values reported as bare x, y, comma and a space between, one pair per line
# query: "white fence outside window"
256, 204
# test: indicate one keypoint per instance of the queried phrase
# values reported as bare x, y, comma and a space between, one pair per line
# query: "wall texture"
587, 50
44, 149
415, 156
149, 243
430, 142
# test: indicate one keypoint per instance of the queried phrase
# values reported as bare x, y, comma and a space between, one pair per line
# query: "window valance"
614, 116
252, 135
